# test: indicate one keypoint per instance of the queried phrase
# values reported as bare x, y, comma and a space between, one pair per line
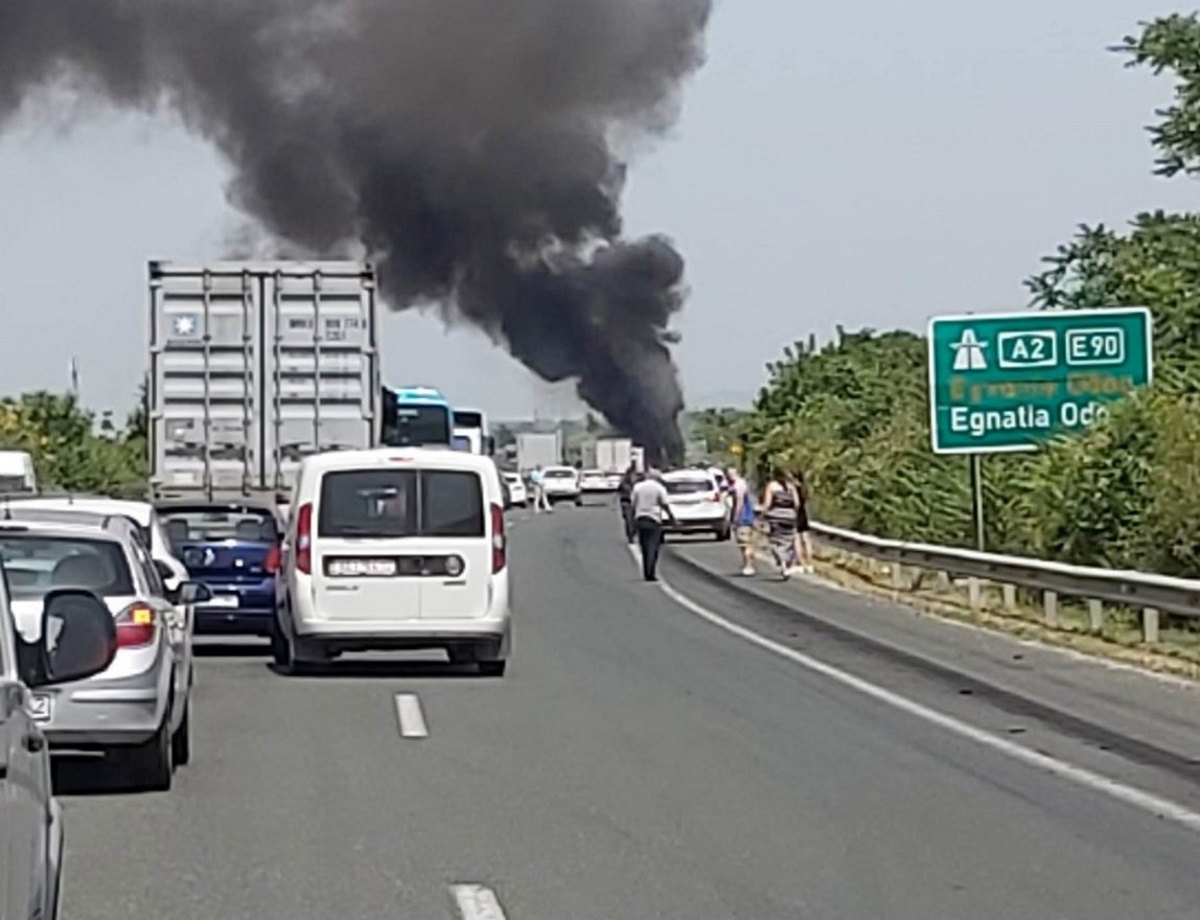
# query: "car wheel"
493, 668
151, 765
723, 534
181, 741
283, 651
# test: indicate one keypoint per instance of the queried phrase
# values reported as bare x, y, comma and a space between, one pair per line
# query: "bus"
416, 416
471, 433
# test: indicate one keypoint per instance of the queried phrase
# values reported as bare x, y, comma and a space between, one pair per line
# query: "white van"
395, 548
16, 472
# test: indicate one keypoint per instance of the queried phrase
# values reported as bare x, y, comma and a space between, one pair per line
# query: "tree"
1127, 492
67, 451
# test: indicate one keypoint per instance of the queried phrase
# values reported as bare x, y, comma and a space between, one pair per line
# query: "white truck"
16, 472
536, 449
255, 365
613, 455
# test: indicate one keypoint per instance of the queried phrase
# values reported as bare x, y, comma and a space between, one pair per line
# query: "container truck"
255, 365
536, 449
613, 455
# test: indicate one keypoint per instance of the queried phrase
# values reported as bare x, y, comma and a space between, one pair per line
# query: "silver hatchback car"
137, 710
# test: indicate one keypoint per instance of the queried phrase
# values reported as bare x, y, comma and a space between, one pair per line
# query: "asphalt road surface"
638, 762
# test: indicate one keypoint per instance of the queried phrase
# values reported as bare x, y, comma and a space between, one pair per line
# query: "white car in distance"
561, 484
697, 504
518, 492
595, 481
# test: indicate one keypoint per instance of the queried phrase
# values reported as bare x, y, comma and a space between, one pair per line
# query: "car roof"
685, 475
423, 457
200, 504
141, 512
60, 529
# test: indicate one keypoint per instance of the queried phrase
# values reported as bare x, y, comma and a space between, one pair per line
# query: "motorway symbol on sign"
1009, 381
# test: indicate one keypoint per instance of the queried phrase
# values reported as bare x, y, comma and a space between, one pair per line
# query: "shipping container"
536, 449
254, 366
613, 455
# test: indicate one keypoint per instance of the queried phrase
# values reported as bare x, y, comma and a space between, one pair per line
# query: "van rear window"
401, 503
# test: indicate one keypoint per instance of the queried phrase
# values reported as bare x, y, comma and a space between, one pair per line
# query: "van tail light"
304, 538
271, 563
499, 541
136, 626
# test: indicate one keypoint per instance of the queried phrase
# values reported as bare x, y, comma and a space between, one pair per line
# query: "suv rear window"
37, 565
688, 486
211, 523
401, 503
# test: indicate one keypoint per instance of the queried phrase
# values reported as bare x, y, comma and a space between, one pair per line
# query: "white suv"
697, 503
397, 548
561, 484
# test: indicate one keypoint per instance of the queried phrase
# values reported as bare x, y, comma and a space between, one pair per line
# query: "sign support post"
977, 502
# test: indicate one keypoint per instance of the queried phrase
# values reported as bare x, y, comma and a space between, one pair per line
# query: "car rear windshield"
687, 486
36, 565
215, 523
560, 474
401, 503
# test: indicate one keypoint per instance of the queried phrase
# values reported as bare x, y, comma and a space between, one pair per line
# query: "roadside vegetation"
74, 450
853, 413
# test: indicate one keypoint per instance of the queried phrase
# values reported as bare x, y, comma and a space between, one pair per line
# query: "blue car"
232, 547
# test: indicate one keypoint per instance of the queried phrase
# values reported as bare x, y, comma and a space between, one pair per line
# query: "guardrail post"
897, 577
1150, 624
1050, 607
974, 593
1010, 596
1096, 615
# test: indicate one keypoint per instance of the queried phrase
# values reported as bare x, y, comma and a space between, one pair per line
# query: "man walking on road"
540, 501
625, 498
648, 507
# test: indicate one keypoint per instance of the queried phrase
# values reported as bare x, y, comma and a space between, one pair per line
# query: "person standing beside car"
742, 518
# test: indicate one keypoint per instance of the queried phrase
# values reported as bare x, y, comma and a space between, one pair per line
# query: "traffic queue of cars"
387, 549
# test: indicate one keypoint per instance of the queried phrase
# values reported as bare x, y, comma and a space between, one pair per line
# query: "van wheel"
181, 741
493, 668
151, 764
284, 653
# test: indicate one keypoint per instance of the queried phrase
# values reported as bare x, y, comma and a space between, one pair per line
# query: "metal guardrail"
1152, 593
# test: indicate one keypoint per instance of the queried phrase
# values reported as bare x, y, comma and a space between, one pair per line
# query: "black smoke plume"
471, 145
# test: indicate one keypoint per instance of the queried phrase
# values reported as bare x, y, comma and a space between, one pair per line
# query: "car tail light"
136, 626
304, 538
499, 542
271, 563
716, 497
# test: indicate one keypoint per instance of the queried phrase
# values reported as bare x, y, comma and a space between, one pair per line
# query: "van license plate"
39, 707
370, 568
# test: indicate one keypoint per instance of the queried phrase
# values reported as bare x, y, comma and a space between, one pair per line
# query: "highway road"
638, 762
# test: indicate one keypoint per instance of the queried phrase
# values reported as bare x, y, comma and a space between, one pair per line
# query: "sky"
864, 164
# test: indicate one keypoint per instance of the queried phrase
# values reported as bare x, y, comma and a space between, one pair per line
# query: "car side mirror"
78, 640
190, 592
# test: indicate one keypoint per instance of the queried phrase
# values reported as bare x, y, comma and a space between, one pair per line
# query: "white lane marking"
412, 720
477, 902
1131, 795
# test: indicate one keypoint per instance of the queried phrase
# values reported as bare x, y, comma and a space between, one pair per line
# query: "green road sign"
1008, 381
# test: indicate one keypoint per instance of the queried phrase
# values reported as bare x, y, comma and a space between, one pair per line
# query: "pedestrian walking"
541, 501
649, 509
742, 518
779, 508
803, 550
624, 500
